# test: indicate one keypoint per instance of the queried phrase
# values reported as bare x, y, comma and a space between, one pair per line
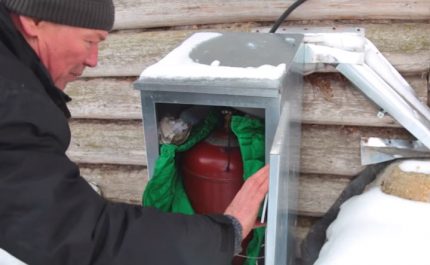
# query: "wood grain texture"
318, 192
162, 13
328, 99
128, 53
117, 183
107, 142
123, 183
332, 150
104, 98
331, 99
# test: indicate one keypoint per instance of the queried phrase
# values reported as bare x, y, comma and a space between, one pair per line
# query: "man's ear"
28, 26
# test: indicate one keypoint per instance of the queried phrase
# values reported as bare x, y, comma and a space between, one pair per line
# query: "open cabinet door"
283, 189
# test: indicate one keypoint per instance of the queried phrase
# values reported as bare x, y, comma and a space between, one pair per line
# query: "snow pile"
375, 228
178, 65
7, 259
416, 166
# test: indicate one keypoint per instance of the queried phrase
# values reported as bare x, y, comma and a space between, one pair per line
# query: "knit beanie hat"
92, 14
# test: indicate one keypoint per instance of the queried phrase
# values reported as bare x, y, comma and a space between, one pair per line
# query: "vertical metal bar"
272, 226
281, 192
151, 131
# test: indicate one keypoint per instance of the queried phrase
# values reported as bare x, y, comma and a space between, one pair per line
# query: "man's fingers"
259, 182
247, 201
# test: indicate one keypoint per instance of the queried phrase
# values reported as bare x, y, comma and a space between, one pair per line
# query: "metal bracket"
358, 59
375, 150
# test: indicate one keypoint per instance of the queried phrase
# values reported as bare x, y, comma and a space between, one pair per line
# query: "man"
48, 213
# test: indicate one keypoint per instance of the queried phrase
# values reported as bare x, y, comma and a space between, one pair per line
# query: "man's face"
66, 51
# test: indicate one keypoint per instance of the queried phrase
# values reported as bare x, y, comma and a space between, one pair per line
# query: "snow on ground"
379, 229
7, 259
415, 166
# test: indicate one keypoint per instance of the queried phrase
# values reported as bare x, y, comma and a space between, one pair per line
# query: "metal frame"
272, 95
363, 64
271, 108
375, 150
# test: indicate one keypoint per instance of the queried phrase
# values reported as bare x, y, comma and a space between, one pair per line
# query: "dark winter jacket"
48, 213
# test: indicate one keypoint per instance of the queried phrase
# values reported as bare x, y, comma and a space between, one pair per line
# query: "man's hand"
247, 201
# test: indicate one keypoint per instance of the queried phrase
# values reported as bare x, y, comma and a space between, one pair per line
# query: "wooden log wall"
107, 126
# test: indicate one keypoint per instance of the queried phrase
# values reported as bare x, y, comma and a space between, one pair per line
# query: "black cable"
285, 14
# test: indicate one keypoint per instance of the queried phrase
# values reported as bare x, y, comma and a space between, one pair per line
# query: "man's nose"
91, 60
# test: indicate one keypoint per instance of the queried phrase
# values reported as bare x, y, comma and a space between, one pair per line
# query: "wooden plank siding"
325, 149
123, 183
107, 135
127, 53
126, 183
149, 13
328, 99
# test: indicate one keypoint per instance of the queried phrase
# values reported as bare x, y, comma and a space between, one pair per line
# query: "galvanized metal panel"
269, 95
283, 186
233, 51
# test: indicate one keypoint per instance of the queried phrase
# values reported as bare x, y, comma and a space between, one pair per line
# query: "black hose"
285, 14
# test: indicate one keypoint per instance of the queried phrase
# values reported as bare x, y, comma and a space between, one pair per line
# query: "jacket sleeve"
50, 215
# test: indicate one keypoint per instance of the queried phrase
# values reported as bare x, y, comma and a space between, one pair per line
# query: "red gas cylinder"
213, 172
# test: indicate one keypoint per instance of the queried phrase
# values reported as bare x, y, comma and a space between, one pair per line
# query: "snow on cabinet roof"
179, 63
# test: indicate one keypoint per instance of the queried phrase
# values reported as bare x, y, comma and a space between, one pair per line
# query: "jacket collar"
19, 48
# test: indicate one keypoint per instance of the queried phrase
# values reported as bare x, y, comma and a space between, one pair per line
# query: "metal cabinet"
247, 71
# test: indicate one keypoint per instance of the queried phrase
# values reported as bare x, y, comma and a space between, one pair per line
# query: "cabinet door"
283, 189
